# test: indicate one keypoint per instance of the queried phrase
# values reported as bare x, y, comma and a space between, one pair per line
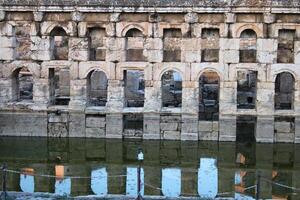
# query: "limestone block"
264, 129
229, 44
208, 136
168, 126
230, 18
191, 18
79, 55
284, 137
114, 17
230, 56
154, 43
9, 42
297, 58
283, 127
2, 15
191, 56
38, 16
266, 57
78, 43
95, 122
6, 29
41, 55
38, 43
94, 132
152, 100
154, 55
115, 56
135, 43
171, 135
7, 54
76, 125
170, 118
215, 126
205, 126
115, 44
77, 16
227, 128
267, 45
269, 18
190, 44
114, 125
54, 118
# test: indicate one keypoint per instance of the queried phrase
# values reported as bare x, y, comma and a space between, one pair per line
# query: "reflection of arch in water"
132, 182
208, 178
63, 186
99, 181
171, 182
27, 183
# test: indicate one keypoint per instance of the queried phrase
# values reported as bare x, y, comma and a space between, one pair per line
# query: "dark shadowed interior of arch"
134, 88
97, 88
248, 46
135, 45
96, 43
59, 43
284, 91
22, 84
209, 96
59, 86
246, 89
171, 89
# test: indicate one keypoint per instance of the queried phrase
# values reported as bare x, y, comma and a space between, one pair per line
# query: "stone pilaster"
190, 93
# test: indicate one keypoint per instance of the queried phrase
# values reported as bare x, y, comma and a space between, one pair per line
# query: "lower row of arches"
171, 89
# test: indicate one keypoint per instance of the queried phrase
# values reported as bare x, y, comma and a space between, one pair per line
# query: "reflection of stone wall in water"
207, 68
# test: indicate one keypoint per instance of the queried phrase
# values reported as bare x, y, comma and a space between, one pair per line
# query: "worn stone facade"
182, 70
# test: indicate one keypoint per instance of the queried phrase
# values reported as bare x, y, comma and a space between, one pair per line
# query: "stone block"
79, 55
266, 57
284, 137
230, 56
154, 55
40, 44
208, 136
94, 132
191, 44
54, 118
297, 57
230, 18
170, 118
227, 128
191, 56
7, 54
115, 56
205, 126
95, 122
2, 15
6, 29
154, 43
76, 125
229, 44
267, 45
171, 135
168, 126
189, 136
135, 43
264, 129
7, 42
115, 44
269, 18
282, 127
79, 43
191, 18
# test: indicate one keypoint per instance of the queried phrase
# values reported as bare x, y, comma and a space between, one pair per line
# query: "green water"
229, 168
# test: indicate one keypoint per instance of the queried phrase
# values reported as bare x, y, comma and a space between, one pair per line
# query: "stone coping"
155, 3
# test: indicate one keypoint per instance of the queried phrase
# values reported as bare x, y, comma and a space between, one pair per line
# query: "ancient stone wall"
182, 70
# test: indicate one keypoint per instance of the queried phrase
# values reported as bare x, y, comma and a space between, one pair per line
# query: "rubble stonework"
179, 70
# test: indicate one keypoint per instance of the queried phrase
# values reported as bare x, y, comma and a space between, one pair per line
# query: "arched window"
134, 88
134, 45
285, 51
22, 84
284, 91
209, 96
248, 46
59, 44
97, 88
171, 89
96, 43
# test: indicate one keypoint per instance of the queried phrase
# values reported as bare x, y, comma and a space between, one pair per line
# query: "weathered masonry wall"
110, 70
